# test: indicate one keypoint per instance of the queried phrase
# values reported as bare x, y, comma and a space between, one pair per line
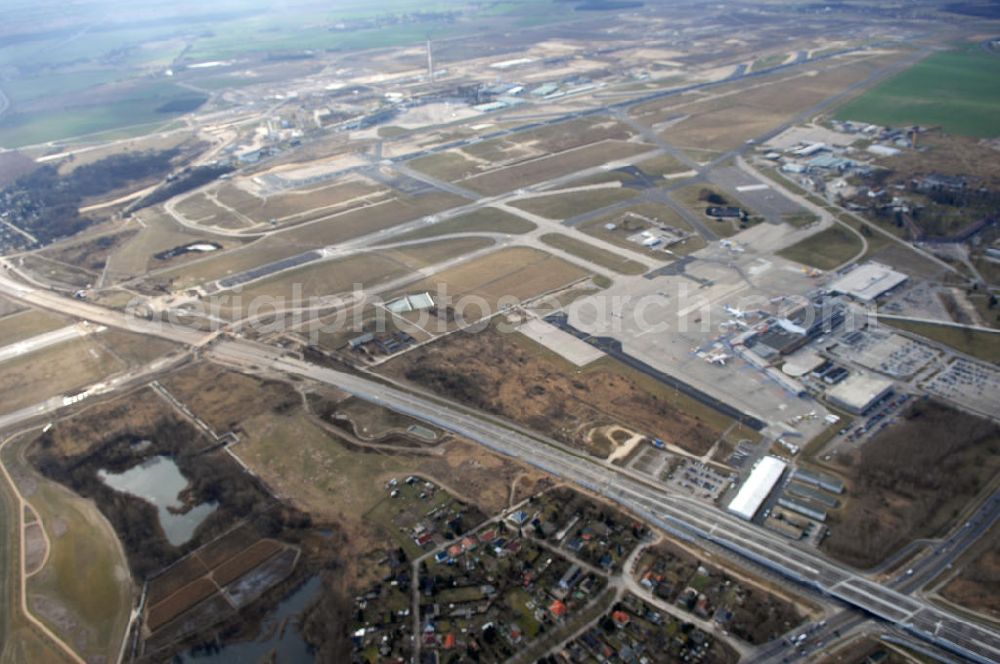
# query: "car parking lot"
884, 351
884, 414
699, 479
744, 451
973, 384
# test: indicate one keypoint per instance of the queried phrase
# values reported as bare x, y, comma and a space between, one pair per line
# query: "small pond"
159, 481
280, 635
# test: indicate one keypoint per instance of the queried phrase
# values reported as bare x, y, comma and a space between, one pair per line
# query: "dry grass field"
135, 349
565, 206
549, 168
336, 480
499, 373
483, 220
8, 307
301, 205
158, 233
337, 228
366, 270
519, 273
90, 254
450, 166
237, 198
201, 209
62, 275
60, 369
344, 226
224, 398
214, 266
83, 592
594, 254
825, 250
734, 114
27, 324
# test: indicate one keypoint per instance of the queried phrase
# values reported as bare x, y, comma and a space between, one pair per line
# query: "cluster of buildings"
490, 97
820, 163
817, 163
767, 340
794, 508
678, 577
385, 343
790, 348
494, 591
635, 631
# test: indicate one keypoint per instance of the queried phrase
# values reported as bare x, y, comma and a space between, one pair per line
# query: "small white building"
883, 150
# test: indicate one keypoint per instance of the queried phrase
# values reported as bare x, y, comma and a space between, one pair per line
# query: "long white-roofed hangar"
757, 487
329, 314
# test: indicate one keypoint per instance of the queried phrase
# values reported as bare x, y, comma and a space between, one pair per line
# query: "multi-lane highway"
678, 514
681, 515
939, 557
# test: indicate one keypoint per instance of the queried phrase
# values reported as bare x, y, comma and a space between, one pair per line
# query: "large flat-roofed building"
755, 490
859, 392
869, 281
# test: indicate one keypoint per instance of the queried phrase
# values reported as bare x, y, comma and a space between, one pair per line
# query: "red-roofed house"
558, 608
621, 618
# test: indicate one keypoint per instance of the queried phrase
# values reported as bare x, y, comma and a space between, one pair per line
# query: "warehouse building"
805, 509
859, 392
801, 491
821, 480
757, 487
868, 282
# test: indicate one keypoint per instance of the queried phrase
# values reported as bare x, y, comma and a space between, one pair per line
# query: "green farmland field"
957, 90
149, 104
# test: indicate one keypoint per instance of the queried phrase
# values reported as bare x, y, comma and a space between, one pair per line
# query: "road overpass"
680, 515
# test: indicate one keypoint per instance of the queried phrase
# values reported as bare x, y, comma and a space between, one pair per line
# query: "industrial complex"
558, 331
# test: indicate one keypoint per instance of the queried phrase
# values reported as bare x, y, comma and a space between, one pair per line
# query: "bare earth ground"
490, 371
977, 585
